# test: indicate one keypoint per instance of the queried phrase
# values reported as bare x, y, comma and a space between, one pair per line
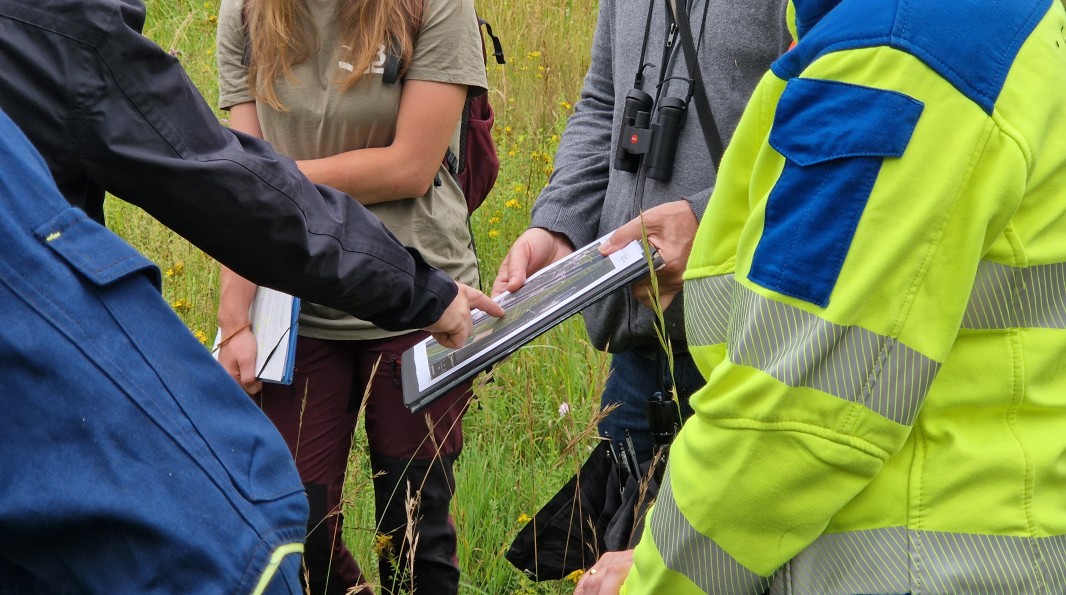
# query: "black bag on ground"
600, 509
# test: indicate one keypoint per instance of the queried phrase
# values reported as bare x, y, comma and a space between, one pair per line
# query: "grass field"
516, 453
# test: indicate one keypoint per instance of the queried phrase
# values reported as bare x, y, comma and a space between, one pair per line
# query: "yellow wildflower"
534, 54
514, 204
181, 305
565, 105
200, 336
555, 138
494, 220
574, 576
493, 233
383, 545
524, 518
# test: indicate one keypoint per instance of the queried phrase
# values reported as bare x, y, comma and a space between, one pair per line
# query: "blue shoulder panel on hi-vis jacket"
835, 137
975, 53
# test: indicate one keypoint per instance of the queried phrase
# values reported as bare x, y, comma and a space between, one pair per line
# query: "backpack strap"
391, 69
246, 55
393, 65
454, 163
457, 163
497, 47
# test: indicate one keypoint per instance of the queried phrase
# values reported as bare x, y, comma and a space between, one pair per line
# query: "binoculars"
653, 139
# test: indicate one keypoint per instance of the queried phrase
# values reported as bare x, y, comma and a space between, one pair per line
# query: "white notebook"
274, 317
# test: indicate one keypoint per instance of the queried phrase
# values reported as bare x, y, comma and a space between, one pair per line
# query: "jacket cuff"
698, 201
579, 232
438, 291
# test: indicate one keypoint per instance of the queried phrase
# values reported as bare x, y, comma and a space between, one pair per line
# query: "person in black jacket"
128, 463
109, 110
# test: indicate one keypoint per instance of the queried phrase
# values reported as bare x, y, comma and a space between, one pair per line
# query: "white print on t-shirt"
377, 67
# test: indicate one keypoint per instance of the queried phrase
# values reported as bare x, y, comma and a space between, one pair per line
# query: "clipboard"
549, 297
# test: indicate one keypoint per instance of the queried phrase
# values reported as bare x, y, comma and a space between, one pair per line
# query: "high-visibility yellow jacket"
877, 297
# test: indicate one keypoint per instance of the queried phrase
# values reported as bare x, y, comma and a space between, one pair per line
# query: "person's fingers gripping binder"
274, 317
550, 296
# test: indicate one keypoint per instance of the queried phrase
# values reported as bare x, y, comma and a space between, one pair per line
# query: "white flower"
564, 408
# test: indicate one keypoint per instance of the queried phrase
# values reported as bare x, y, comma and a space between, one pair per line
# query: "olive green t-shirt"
322, 121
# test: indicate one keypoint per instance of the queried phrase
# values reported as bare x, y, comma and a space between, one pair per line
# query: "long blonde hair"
280, 35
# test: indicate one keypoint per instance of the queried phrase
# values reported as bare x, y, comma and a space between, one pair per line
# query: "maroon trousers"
410, 454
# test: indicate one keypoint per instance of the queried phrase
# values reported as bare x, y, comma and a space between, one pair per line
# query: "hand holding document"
670, 227
548, 297
274, 316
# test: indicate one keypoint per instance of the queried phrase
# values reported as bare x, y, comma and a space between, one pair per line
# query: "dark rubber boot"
436, 567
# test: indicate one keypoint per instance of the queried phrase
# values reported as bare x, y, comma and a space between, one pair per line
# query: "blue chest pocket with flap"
94, 251
834, 137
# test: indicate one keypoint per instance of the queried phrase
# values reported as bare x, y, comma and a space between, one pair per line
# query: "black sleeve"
149, 138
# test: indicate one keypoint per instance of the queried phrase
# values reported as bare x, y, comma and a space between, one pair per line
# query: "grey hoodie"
738, 43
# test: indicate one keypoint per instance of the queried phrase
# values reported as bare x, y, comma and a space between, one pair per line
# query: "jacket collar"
805, 14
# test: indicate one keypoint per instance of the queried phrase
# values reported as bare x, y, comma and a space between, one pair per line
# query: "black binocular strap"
703, 105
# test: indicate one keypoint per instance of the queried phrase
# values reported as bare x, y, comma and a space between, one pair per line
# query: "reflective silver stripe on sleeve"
691, 553
708, 306
1006, 297
849, 362
898, 560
